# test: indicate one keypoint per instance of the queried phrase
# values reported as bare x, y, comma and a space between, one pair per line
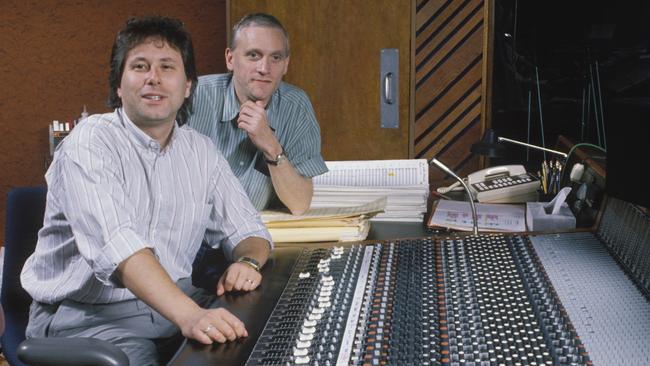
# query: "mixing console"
576, 298
478, 300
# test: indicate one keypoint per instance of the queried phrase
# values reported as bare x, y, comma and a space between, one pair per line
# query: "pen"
543, 177
551, 183
559, 175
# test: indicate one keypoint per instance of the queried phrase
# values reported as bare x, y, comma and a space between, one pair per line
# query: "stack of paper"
405, 184
323, 224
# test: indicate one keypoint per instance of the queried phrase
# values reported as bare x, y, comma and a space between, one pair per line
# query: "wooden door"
335, 58
452, 72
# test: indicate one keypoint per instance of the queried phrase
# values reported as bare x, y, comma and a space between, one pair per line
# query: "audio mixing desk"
577, 298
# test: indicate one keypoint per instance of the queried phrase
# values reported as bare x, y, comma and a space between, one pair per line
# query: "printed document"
497, 217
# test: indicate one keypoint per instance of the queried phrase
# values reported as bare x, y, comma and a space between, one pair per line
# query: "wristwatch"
281, 158
250, 262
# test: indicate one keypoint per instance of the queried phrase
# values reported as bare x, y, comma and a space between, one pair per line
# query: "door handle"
388, 88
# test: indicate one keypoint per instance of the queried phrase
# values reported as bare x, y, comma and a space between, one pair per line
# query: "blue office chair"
25, 208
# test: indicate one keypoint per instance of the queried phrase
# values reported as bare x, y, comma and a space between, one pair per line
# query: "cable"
539, 105
443, 190
600, 106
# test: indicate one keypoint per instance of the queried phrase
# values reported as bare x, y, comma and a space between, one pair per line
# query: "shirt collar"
231, 104
139, 136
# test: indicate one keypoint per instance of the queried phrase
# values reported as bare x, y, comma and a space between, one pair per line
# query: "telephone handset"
503, 184
497, 171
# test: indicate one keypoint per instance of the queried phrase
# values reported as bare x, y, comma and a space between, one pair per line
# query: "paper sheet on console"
327, 213
498, 217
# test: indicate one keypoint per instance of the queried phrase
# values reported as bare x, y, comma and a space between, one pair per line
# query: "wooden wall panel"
54, 57
452, 74
335, 48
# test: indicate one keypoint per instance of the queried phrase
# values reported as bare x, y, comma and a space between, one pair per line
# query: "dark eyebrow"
164, 59
136, 59
273, 53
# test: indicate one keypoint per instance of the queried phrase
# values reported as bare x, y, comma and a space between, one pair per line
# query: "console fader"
474, 300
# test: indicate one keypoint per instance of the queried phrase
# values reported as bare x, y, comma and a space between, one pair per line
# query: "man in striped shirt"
266, 129
131, 196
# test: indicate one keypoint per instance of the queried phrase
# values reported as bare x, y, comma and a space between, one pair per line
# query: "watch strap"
278, 159
250, 262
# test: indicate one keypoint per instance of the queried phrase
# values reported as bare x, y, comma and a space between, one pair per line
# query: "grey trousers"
143, 334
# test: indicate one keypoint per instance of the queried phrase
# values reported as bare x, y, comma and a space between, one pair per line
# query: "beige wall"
54, 59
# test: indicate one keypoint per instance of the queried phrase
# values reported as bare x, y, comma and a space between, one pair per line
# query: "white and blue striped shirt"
290, 115
112, 192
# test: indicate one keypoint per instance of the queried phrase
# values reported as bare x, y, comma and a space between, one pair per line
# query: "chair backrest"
24, 218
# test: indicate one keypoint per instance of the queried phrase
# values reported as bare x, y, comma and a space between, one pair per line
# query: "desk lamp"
471, 200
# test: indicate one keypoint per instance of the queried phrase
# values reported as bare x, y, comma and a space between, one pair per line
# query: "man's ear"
229, 56
188, 88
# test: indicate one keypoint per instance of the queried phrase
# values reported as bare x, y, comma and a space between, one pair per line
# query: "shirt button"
241, 163
152, 144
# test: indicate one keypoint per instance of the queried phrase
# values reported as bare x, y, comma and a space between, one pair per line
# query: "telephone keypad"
502, 182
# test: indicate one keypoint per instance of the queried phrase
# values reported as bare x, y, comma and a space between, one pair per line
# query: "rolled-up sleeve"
233, 218
303, 145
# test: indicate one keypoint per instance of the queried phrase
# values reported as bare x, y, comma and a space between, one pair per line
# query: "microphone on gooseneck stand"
469, 193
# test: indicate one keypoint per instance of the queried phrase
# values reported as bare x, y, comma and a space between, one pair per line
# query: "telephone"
501, 184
